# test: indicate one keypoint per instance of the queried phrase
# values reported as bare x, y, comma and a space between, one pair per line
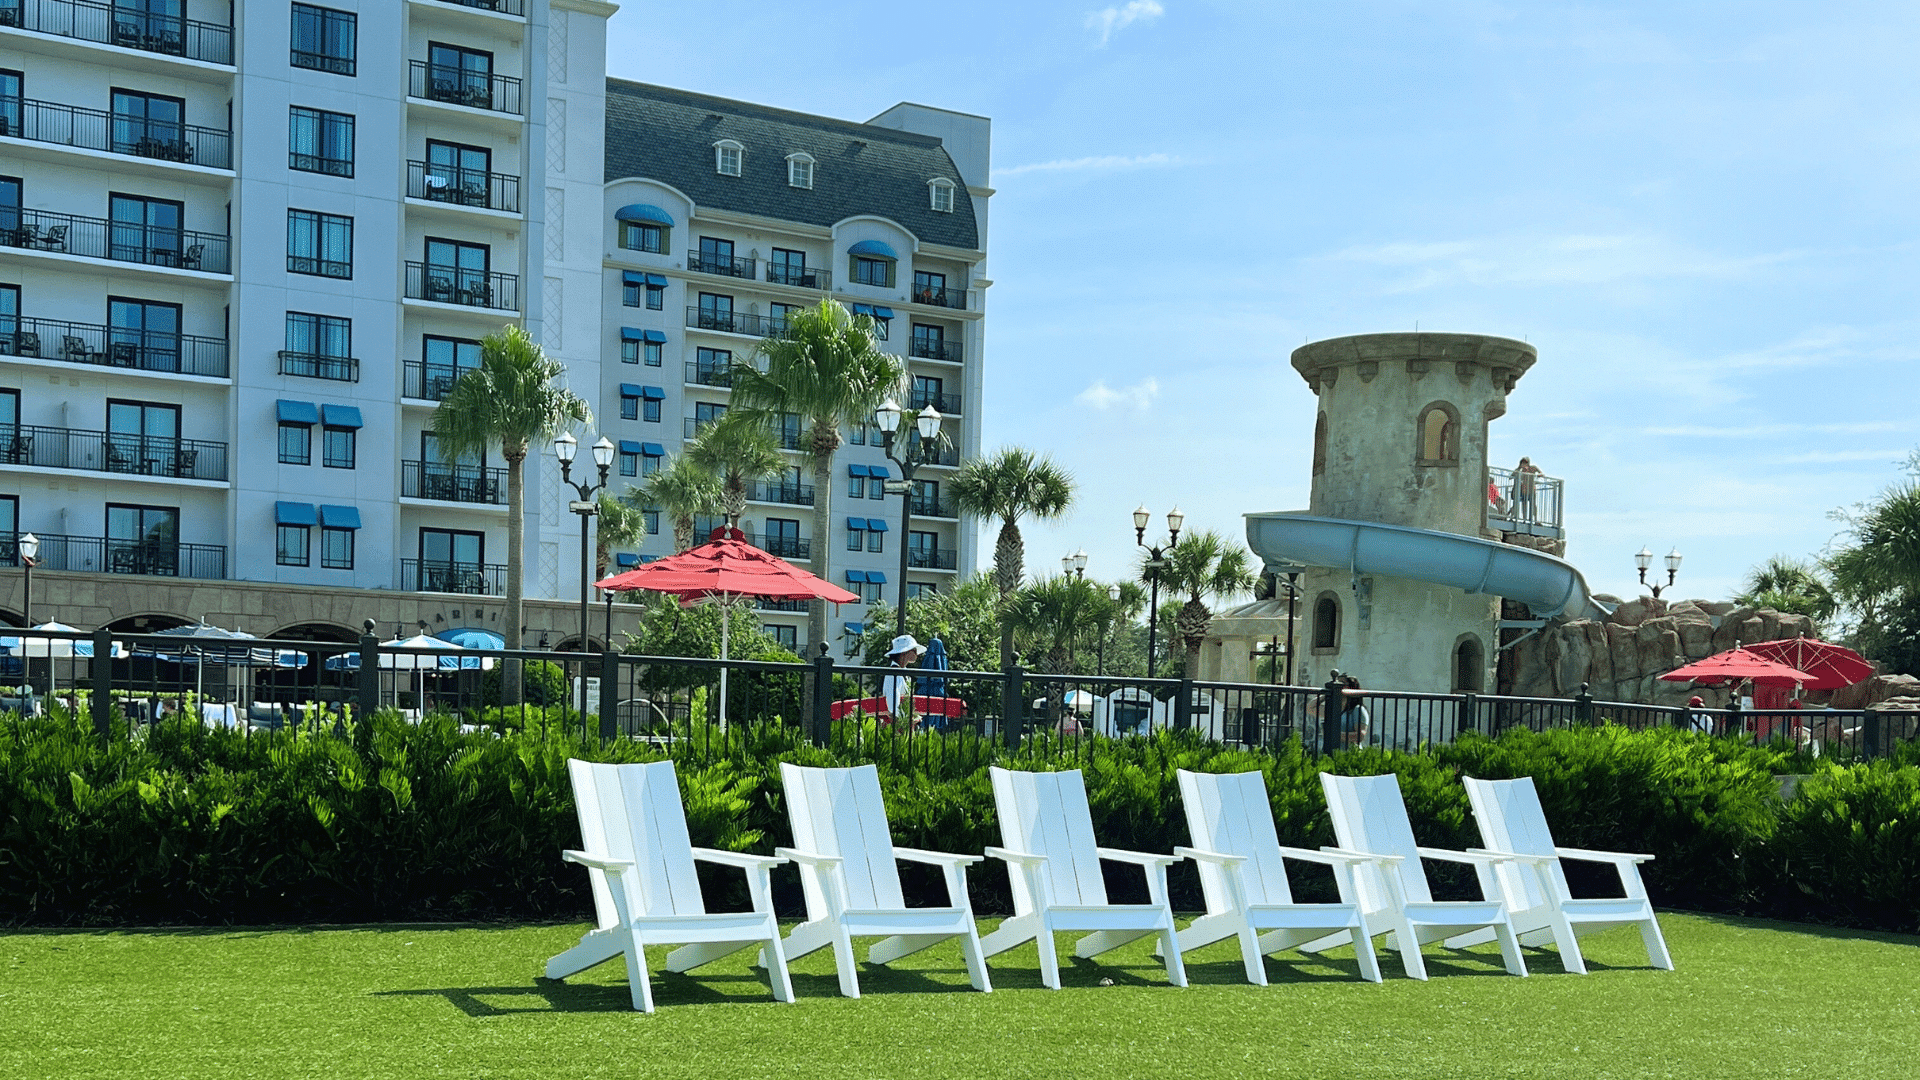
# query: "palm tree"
742, 451
1788, 584
620, 524
514, 398
1203, 566
826, 369
681, 490
1053, 615
1011, 484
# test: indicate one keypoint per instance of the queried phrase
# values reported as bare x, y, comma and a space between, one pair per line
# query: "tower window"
1439, 435
800, 170
1320, 444
1469, 666
940, 191
726, 157
1326, 622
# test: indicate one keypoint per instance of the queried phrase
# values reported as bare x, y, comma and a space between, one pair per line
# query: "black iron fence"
460, 86
463, 187
723, 265
932, 558
431, 382
805, 277
452, 483
116, 555
708, 374
440, 576
115, 346
120, 241
940, 296
926, 349
320, 366
103, 451
786, 492
462, 286
734, 322
124, 26
941, 401
97, 129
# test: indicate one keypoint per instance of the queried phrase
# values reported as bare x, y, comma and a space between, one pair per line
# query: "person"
897, 690
1495, 501
1523, 485
1354, 719
1698, 716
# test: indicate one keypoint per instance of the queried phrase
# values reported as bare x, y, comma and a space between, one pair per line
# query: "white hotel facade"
246, 247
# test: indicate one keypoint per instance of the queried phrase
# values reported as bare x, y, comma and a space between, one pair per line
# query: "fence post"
1870, 733
1736, 718
367, 700
1583, 705
1013, 707
102, 671
1469, 717
820, 722
609, 695
1183, 706
1332, 704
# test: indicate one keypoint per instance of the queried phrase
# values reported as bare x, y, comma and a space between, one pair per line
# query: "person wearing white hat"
898, 689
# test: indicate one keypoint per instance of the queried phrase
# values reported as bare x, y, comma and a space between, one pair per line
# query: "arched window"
1326, 622
1469, 666
800, 169
940, 194
1439, 435
1320, 444
726, 157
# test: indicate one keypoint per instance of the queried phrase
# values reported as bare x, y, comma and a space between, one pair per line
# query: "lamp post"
1113, 597
29, 548
1156, 562
1643, 559
565, 447
1074, 565
927, 421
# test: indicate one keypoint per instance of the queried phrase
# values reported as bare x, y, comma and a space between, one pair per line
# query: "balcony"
784, 492
320, 366
940, 296
796, 607
932, 506
946, 455
709, 374
944, 403
463, 187
725, 266
691, 428
469, 579
734, 322
504, 7
108, 346
922, 348
453, 483
801, 277
1535, 509
109, 555
108, 24
431, 382
466, 288
932, 558
100, 451
786, 547
118, 241
96, 129
456, 86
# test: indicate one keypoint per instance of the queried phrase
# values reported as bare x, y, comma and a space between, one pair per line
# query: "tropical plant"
1203, 566
1784, 583
741, 450
1055, 615
619, 523
826, 369
966, 619
514, 398
1010, 484
681, 490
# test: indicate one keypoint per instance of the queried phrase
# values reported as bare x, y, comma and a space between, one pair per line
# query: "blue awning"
653, 393
878, 471
473, 638
653, 449
656, 281
341, 416
863, 309
855, 628
856, 575
340, 517
293, 513
626, 558
633, 277
881, 311
856, 523
872, 247
658, 337
632, 333
878, 577
297, 412
629, 446
876, 525
629, 389
643, 212
856, 470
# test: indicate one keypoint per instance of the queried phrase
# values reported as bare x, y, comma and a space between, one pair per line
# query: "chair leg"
1251, 956
1363, 953
1510, 950
1570, 959
1176, 966
976, 962
776, 964
844, 962
1407, 944
1656, 943
1049, 961
595, 947
637, 982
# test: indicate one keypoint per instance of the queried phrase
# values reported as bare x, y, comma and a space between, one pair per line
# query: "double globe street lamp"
29, 548
565, 447
1156, 562
1074, 565
1643, 559
910, 457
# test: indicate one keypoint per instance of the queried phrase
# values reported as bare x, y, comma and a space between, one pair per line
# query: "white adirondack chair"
1244, 877
1054, 865
1370, 819
640, 862
1535, 886
847, 867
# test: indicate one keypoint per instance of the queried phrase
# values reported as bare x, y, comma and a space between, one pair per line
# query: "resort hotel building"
247, 247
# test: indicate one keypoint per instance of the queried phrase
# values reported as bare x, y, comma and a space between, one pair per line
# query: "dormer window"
726, 157
940, 190
800, 170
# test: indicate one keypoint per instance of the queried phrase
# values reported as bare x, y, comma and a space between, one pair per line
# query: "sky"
1701, 214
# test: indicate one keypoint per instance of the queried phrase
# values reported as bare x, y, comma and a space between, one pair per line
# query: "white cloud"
1136, 397
1109, 21
1108, 161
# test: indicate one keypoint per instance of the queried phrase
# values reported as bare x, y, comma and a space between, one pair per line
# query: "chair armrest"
1600, 856
1198, 855
736, 858
936, 858
1361, 856
1331, 856
807, 858
1514, 856
1476, 858
1138, 858
1020, 857
611, 866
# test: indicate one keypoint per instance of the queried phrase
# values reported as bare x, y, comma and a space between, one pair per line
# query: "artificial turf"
1749, 999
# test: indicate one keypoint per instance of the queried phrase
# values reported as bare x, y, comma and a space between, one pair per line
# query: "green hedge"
191, 825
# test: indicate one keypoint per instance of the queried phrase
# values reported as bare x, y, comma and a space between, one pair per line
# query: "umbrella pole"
726, 609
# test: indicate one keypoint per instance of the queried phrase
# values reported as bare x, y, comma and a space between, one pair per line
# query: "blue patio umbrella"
934, 659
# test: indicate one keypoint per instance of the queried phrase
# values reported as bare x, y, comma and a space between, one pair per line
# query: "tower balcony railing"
444, 576
940, 296
735, 322
104, 451
458, 86
114, 346
114, 24
1534, 507
804, 277
453, 483
786, 547
309, 365
943, 402
704, 374
462, 286
115, 555
785, 492
97, 129
463, 187
723, 265
932, 558
119, 241
503, 7
431, 382
925, 349
931, 506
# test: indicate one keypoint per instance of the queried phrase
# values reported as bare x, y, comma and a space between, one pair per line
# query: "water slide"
1547, 585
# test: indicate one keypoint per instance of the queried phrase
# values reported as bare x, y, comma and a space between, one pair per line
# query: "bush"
543, 683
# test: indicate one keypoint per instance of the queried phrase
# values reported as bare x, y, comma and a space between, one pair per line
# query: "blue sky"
1703, 215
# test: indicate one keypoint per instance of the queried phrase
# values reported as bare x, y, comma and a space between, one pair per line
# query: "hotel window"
856, 481
145, 230
319, 347
319, 244
788, 636
320, 142
650, 351
296, 443
629, 459
336, 549
653, 521
324, 39
727, 155
917, 589
339, 446
650, 407
150, 125
941, 192
459, 75
872, 271
643, 236
800, 170
291, 545
856, 534
629, 402
651, 455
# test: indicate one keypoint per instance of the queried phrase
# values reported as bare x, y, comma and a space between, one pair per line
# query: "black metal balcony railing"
453, 483
805, 277
316, 163
936, 455
932, 558
925, 349
724, 265
320, 366
120, 241
787, 547
433, 382
946, 403
931, 506
101, 451
467, 288
504, 7
97, 129
109, 346
735, 322
463, 187
108, 555
785, 491
473, 579
320, 61
109, 24
690, 427
940, 296
709, 374
791, 606
457, 86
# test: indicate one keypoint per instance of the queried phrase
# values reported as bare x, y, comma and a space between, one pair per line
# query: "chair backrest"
840, 812
1229, 813
1369, 815
1511, 819
1047, 814
633, 812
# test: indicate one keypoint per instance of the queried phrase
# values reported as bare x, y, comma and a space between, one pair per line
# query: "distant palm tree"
742, 451
1054, 615
681, 490
1011, 484
1788, 584
514, 398
826, 369
619, 524
1203, 566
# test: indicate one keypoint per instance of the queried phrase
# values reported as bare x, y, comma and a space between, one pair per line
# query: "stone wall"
1622, 658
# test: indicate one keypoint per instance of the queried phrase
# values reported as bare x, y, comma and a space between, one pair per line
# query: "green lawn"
1750, 999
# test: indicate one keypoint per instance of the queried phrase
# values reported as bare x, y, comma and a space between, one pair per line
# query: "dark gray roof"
668, 135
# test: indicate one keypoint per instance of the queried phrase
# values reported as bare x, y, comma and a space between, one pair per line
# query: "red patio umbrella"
1830, 666
1738, 665
726, 568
